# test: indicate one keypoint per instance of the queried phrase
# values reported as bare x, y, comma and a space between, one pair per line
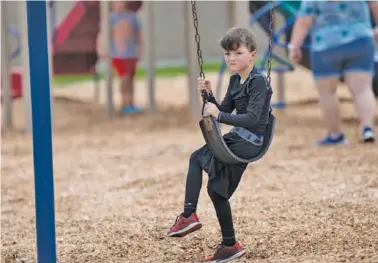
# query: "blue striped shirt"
337, 22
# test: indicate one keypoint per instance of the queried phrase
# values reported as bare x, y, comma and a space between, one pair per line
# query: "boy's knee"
201, 158
212, 194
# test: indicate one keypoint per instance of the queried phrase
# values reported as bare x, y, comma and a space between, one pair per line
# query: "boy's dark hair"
237, 36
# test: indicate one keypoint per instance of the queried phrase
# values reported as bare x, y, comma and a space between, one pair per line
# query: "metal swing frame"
210, 127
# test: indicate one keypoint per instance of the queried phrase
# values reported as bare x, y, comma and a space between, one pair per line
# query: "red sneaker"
225, 253
184, 226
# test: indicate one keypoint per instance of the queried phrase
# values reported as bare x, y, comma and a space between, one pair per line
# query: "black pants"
224, 176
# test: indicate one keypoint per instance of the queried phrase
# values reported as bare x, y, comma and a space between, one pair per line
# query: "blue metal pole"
42, 138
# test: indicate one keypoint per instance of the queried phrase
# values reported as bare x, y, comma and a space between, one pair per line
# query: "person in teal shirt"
342, 45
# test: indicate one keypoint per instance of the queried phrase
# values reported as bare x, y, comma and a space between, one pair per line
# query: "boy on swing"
249, 93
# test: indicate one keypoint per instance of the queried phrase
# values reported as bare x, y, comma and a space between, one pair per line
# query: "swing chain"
197, 38
199, 53
271, 29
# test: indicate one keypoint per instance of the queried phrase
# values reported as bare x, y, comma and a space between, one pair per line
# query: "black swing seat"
214, 140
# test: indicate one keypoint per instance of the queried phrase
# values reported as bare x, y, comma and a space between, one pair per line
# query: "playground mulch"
119, 185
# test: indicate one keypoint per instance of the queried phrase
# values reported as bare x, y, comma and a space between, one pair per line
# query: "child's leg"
222, 206
223, 211
188, 221
132, 66
360, 84
329, 103
327, 69
126, 99
359, 71
120, 67
128, 90
193, 185
230, 248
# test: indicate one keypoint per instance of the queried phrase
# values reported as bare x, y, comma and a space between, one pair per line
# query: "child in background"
125, 48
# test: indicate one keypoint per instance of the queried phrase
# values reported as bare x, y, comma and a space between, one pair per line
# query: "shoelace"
216, 246
177, 218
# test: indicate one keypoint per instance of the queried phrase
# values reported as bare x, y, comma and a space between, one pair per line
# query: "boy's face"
239, 59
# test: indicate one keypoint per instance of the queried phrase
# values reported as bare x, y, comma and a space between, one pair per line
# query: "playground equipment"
42, 138
36, 48
288, 9
210, 127
17, 84
15, 72
13, 31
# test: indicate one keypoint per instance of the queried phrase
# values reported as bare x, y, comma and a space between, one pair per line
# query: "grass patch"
140, 74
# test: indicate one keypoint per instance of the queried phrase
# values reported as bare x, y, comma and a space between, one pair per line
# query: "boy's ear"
253, 54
